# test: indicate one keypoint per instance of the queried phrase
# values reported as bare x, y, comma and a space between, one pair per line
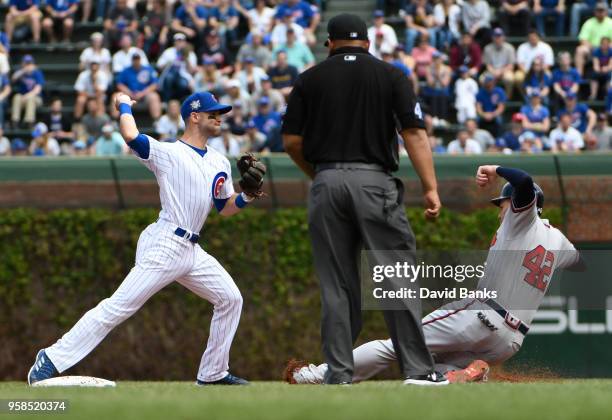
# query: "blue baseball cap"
18, 144
463, 69
202, 102
489, 78
40, 129
264, 100
535, 93
379, 13
79, 145
27, 59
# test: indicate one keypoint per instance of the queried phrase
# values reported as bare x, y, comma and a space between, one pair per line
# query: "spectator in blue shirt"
583, 118
536, 117
544, 8
566, 78
5, 91
227, 19
304, 14
140, 83
602, 66
23, 12
510, 139
191, 19
266, 119
4, 42
538, 78
490, 105
29, 82
60, 14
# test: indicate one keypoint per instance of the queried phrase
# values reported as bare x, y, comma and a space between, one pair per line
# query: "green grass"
570, 399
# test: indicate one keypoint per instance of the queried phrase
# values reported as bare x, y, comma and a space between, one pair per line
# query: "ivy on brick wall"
56, 265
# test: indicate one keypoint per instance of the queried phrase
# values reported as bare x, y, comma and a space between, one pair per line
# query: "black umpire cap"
346, 27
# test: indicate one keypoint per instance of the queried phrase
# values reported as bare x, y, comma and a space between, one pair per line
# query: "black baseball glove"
252, 172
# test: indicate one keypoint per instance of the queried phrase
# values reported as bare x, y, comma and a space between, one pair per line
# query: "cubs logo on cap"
202, 102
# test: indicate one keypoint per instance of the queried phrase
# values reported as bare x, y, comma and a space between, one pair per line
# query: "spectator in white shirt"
169, 124
91, 83
279, 33
447, 16
260, 17
5, 144
96, 52
250, 76
226, 143
122, 59
177, 65
235, 94
565, 138
533, 48
466, 89
42, 143
385, 33
463, 144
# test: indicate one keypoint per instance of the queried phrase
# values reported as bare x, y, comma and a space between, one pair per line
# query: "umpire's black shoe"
433, 379
227, 380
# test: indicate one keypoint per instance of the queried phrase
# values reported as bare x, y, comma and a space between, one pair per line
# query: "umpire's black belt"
191, 237
511, 321
350, 165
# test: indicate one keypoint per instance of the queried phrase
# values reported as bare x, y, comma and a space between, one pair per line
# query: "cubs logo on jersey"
217, 184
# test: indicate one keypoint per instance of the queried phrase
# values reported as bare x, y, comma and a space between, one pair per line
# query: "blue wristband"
125, 109
240, 201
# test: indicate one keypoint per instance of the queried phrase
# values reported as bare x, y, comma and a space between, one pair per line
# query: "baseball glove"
252, 172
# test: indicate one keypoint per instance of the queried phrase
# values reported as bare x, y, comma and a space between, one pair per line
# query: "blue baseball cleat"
43, 368
227, 380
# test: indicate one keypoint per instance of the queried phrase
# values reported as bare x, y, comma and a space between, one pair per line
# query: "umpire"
340, 129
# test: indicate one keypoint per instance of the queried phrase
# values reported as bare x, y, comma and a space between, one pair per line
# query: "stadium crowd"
249, 53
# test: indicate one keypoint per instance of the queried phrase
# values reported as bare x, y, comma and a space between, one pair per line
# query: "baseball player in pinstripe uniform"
192, 180
466, 335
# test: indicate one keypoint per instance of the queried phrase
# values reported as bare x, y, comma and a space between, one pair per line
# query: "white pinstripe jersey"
524, 254
188, 181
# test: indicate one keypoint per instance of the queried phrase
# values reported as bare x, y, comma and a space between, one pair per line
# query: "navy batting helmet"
508, 189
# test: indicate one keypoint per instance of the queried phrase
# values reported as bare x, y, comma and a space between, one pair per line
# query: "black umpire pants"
351, 209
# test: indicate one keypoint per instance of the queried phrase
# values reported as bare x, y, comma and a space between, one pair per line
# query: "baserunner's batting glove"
252, 172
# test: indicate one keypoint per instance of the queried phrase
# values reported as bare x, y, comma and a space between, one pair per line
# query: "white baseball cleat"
432, 379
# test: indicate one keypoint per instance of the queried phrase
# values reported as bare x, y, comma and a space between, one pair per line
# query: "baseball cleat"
229, 379
43, 368
476, 371
432, 379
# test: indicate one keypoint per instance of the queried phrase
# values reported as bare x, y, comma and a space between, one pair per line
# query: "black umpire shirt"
345, 108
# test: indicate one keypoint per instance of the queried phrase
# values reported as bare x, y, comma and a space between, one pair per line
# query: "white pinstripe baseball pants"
161, 258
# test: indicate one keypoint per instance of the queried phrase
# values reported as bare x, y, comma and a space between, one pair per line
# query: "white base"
86, 381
